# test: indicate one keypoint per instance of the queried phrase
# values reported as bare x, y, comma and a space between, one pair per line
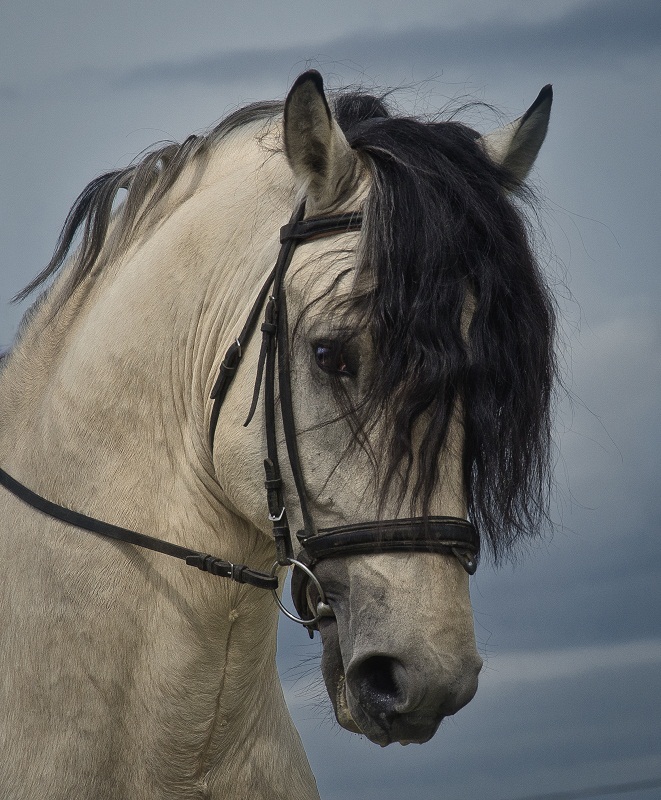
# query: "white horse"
124, 673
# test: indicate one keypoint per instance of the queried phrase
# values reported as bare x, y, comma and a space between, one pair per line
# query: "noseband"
447, 535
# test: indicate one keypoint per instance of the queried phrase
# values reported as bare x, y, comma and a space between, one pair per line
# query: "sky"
570, 696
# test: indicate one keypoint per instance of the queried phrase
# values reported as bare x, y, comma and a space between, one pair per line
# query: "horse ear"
321, 159
515, 146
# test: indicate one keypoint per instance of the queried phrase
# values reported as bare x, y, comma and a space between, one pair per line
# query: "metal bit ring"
322, 595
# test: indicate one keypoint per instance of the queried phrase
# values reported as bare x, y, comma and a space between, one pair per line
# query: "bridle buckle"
274, 518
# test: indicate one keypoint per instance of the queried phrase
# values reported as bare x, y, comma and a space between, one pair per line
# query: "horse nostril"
375, 681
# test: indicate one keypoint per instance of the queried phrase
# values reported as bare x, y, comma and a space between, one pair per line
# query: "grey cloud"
9, 95
589, 728
588, 33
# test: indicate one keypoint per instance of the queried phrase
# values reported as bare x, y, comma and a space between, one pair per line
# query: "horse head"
390, 339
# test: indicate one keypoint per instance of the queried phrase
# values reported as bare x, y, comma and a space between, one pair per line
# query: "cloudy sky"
570, 697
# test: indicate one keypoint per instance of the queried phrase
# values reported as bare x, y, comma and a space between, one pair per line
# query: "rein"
216, 566
447, 535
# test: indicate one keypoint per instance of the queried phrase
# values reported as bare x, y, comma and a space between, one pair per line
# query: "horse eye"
331, 359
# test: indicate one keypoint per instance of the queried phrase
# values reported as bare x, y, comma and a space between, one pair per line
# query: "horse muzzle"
391, 701
388, 699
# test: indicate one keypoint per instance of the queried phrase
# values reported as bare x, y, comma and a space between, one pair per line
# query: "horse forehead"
323, 269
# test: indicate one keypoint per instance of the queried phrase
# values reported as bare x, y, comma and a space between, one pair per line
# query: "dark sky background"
570, 696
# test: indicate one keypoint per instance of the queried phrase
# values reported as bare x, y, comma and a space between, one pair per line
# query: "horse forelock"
443, 231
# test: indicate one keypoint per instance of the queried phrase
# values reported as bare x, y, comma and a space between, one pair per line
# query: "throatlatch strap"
208, 563
234, 355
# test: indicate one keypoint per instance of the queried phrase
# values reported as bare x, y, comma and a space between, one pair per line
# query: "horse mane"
146, 182
443, 227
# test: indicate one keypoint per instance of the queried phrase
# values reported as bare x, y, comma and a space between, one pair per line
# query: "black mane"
442, 229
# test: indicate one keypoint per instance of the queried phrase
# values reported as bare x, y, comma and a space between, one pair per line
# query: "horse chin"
404, 730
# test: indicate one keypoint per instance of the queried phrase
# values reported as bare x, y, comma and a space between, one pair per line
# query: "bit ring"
322, 595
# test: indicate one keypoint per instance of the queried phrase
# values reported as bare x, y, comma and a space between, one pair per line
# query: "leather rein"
447, 535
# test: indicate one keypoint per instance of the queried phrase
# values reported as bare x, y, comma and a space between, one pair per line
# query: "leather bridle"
447, 535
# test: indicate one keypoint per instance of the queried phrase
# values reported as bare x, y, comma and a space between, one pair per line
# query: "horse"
318, 317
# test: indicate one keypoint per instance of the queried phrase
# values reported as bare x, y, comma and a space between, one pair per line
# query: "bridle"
447, 535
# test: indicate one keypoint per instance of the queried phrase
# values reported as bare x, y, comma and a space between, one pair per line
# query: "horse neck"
113, 388
104, 410
105, 398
